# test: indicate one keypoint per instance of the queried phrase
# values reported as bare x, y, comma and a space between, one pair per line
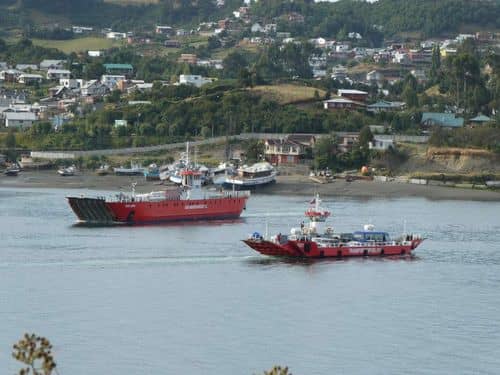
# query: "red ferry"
187, 202
308, 242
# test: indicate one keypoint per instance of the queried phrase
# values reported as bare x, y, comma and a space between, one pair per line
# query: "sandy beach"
287, 185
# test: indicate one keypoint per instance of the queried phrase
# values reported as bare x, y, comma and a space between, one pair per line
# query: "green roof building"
119, 69
480, 120
445, 120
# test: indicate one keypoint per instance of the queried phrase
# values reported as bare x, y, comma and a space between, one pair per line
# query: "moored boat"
309, 242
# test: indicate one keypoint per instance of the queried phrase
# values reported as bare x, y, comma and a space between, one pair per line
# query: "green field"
77, 45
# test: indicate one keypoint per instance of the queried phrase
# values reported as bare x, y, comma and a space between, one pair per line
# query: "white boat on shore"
493, 184
250, 177
67, 171
134, 170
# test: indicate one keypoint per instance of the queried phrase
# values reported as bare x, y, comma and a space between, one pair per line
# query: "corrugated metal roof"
442, 119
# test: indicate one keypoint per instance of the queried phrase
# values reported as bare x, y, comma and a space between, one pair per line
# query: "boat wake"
140, 261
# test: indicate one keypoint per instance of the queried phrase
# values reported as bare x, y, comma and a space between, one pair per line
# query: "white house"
381, 144
95, 53
81, 29
115, 35
71, 83
30, 78
52, 64
112, 80
257, 28
195, 80
58, 74
20, 120
24, 67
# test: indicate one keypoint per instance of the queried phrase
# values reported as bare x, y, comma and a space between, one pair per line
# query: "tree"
278, 370
365, 137
254, 150
410, 96
436, 62
10, 140
233, 64
36, 353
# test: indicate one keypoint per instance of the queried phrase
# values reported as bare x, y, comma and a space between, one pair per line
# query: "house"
256, 28
289, 150
346, 141
119, 69
115, 35
71, 83
401, 57
445, 120
195, 80
339, 73
29, 79
52, 64
356, 95
381, 144
385, 106
419, 74
19, 120
172, 43
58, 74
270, 28
479, 120
95, 53
374, 76
111, 81
81, 29
188, 58
445, 52
295, 17
164, 30
25, 67
93, 88
59, 92
4, 65
342, 103
10, 75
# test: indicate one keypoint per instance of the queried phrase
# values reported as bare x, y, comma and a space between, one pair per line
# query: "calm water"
192, 299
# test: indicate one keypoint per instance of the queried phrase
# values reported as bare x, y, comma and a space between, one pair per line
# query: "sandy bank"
289, 185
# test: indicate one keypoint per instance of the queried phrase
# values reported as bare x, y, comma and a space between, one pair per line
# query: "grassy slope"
132, 2
77, 45
288, 93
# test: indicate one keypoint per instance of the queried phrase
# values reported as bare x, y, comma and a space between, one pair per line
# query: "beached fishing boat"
12, 171
67, 171
309, 241
249, 177
134, 170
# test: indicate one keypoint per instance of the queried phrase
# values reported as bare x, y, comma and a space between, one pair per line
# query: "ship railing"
237, 194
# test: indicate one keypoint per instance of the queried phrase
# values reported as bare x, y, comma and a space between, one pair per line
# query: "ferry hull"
302, 249
98, 211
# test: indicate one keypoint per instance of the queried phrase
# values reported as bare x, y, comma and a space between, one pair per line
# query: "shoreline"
285, 185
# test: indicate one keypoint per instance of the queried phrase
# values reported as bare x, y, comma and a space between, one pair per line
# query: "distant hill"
376, 20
